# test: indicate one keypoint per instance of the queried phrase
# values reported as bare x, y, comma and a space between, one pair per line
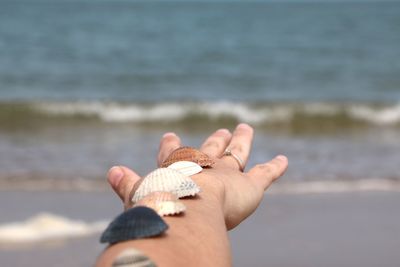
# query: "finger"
169, 142
122, 180
240, 145
264, 174
216, 143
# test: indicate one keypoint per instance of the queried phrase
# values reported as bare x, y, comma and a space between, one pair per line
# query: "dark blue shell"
138, 222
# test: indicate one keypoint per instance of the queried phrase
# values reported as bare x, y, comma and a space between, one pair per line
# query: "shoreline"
338, 229
304, 187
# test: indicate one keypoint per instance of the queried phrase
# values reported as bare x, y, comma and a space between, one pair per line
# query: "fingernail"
115, 174
243, 125
281, 157
169, 134
223, 131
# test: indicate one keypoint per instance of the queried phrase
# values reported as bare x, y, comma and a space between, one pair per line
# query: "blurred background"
87, 84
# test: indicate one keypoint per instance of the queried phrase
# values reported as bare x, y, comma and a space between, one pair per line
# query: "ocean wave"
47, 226
254, 113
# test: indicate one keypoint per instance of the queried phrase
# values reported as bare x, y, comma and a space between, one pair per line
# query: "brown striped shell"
188, 154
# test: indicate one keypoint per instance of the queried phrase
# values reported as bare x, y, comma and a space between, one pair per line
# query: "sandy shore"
334, 229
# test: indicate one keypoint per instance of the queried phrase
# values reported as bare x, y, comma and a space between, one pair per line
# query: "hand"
237, 192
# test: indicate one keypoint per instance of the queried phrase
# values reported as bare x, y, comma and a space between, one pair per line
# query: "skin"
227, 197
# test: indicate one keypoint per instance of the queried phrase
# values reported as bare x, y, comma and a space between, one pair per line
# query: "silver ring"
228, 152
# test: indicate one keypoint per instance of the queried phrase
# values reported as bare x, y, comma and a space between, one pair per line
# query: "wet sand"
333, 229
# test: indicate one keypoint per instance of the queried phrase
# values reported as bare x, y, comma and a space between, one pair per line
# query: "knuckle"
271, 168
261, 166
211, 144
237, 149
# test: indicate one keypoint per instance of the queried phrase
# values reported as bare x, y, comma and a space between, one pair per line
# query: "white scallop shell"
170, 208
188, 168
164, 203
169, 180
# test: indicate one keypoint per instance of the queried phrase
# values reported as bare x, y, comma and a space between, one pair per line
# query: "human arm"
227, 197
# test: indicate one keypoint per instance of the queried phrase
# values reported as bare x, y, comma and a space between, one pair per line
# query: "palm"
240, 193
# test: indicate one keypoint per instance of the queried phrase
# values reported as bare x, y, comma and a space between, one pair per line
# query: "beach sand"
332, 229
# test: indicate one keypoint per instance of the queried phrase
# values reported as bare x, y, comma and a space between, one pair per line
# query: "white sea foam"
246, 112
47, 226
322, 187
386, 115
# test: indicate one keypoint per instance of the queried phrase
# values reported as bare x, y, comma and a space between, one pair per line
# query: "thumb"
122, 180
264, 174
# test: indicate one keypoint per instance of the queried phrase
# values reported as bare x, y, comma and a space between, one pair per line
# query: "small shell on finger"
164, 203
188, 168
164, 179
188, 154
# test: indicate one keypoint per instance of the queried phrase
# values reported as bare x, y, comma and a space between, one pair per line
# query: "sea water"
87, 84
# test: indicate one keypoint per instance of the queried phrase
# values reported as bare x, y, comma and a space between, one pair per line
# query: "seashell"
188, 168
164, 179
131, 257
138, 222
188, 154
164, 203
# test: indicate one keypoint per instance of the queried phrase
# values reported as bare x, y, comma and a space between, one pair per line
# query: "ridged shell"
164, 203
131, 257
188, 168
188, 154
164, 179
138, 222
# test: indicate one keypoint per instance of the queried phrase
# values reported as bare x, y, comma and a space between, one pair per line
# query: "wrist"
212, 190
199, 231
